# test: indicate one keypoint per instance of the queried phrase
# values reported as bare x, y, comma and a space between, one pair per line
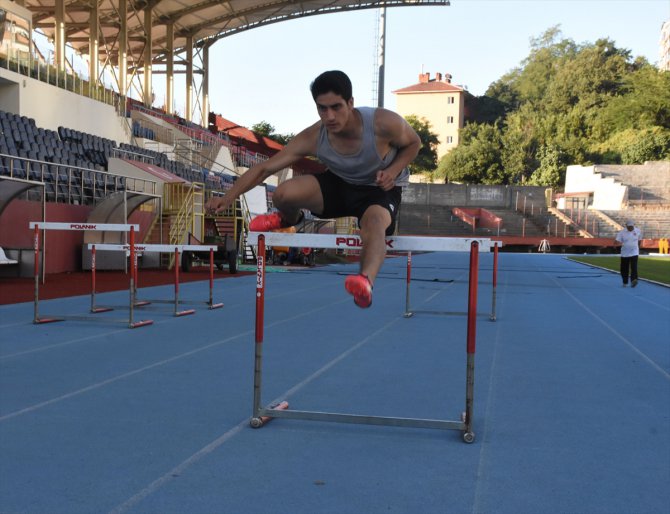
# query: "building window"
450, 119
450, 139
450, 100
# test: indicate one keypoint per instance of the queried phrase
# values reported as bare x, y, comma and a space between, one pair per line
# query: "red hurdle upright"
468, 435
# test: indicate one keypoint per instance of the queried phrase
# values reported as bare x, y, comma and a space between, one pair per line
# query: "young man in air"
366, 151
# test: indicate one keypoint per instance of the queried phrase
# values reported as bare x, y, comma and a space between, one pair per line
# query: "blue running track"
572, 397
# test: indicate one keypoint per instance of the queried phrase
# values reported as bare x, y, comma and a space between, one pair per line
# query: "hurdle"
112, 227
261, 415
157, 248
492, 316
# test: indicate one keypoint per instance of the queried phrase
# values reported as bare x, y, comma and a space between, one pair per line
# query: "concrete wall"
608, 194
476, 195
52, 107
224, 161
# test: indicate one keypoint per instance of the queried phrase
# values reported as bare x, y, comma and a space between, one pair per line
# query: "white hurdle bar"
492, 316
354, 242
109, 227
157, 248
262, 415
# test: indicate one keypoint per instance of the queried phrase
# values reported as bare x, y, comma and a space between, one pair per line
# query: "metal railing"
72, 184
69, 81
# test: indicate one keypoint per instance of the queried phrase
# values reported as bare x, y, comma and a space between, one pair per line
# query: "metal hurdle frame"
112, 227
158, 248
262, 415
492, 316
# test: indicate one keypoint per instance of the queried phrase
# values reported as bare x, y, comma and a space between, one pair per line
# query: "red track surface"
17, 290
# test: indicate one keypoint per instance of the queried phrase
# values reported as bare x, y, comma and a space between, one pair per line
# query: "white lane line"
103, 335
620, 336
481, 484
206, 450
103, 383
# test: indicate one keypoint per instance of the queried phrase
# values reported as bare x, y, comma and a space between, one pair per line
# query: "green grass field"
650, 268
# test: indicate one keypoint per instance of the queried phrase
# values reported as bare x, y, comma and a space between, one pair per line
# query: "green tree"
267, 129
567, 104
263, 128
648, 145
505, 92
541, 66
484, 109
426, 161
283, 139
476, 160
644, 102
551, 171
632, 146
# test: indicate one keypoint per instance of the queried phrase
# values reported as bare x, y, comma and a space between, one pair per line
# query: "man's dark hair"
333, 81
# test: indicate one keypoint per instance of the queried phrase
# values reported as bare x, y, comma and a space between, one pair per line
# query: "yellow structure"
439, 102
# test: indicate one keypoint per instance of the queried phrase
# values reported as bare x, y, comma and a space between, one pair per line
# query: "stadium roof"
205, 21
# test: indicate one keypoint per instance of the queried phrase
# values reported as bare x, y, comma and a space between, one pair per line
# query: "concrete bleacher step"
654, 223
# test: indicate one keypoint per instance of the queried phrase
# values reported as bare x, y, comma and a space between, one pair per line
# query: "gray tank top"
359, 168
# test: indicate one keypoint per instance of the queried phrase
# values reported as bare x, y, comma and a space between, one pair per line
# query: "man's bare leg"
298, 193
374, 223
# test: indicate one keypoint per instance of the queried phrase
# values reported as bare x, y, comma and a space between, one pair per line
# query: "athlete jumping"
366, 151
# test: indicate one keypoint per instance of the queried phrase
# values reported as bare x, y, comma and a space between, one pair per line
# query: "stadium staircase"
182, 205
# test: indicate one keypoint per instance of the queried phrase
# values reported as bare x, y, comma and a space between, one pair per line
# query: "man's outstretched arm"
299, 147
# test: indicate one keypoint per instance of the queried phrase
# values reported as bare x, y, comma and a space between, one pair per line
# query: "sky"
264, 74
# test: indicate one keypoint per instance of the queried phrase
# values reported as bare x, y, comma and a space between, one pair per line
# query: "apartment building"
439, 102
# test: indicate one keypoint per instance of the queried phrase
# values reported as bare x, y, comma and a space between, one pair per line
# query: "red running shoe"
360, 287
267, 222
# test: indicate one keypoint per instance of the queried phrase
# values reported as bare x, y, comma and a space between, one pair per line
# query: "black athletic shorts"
342, 199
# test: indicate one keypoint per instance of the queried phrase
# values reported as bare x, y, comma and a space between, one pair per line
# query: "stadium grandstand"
78, 149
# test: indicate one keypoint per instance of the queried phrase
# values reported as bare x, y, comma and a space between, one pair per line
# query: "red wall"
63, 247
478, 216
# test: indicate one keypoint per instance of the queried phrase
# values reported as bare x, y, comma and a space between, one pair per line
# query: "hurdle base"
215, 306
185, 313
95, 310
443, 313
141, 303
361, 419
40, 321
259, 421
142, 323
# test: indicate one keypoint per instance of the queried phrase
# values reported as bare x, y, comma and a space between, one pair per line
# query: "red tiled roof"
261, 144
246, 136
433, 86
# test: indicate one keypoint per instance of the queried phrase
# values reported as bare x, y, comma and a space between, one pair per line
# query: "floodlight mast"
381, 53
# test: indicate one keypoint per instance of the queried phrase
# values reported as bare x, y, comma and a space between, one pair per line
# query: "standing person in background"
629, 240
366, 150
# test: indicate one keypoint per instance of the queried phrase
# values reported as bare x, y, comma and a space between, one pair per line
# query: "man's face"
630, 228
334, 111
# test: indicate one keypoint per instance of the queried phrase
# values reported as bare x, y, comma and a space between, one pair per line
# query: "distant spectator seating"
143, 132
71, 163
65, 161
